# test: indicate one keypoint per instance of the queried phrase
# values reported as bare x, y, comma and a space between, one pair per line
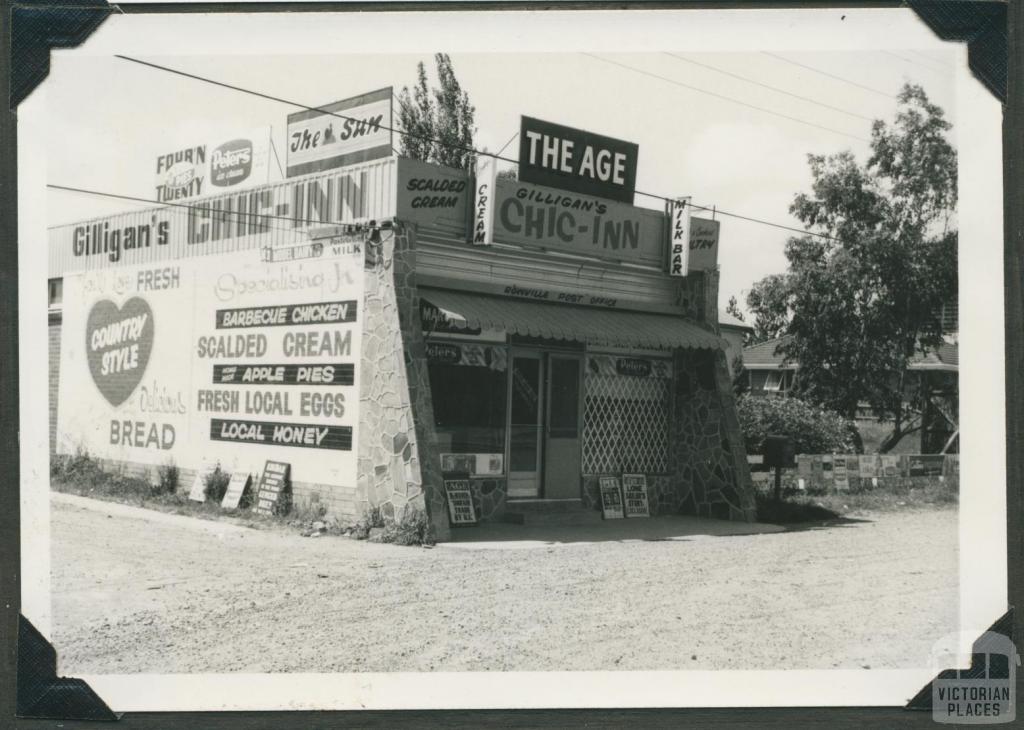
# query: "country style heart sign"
118, 343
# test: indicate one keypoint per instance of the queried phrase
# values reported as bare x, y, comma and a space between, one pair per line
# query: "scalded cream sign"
266, 366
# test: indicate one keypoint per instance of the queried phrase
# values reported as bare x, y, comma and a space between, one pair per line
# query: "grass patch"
815, 506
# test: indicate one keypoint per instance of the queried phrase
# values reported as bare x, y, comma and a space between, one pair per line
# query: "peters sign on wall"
222, 358
576, 160
343, 133
212, 167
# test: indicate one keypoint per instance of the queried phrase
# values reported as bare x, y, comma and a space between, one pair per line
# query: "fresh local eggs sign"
576, 160
208, 168
219, 358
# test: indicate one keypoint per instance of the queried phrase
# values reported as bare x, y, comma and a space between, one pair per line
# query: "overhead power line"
830, 75
723, 97
450, 145
776, 89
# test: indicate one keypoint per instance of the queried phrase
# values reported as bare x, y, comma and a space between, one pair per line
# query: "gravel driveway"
140, 593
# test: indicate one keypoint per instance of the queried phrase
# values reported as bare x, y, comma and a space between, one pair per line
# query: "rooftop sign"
576, 160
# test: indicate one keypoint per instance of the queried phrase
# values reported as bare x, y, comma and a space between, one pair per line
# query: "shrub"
79, 470
216, 484
371, 518
168, 476
814, 430
413, 529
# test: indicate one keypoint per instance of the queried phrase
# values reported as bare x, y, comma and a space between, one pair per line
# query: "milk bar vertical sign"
679, 237
483, 201
272, 484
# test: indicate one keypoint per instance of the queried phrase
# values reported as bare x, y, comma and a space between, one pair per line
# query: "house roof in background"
727, 320
764, 356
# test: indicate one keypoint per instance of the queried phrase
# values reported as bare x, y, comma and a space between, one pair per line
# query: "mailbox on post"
779, 453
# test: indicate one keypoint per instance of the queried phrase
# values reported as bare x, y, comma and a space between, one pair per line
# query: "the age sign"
572, 159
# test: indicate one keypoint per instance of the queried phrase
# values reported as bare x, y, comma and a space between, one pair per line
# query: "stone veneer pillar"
399, 467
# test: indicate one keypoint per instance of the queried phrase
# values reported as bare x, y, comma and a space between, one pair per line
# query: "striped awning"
601, 327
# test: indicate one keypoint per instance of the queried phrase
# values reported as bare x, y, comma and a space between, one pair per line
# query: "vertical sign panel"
634, 491
679, 237
483, 201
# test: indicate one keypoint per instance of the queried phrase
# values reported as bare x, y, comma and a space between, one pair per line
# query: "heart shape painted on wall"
118, 343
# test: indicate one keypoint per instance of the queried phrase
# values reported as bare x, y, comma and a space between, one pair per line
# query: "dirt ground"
143, 592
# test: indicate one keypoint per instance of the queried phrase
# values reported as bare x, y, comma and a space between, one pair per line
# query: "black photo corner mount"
923, 700
36, 27
982, 25
45, 696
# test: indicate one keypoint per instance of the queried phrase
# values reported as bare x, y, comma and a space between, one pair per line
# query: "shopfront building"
559, 351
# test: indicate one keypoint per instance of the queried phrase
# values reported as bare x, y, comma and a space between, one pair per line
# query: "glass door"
526, 392
562, 440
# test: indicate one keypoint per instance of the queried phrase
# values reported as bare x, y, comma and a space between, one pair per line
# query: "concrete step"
550, 512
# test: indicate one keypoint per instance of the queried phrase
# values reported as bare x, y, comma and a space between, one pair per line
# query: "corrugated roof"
566, 322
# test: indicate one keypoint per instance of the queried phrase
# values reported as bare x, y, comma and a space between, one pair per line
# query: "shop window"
468, 385
625, 418
56, 293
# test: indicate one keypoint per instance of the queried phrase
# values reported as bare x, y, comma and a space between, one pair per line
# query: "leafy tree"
861, 296
768, 301
438, 122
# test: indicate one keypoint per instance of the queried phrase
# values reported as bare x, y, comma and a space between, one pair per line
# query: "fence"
842, 472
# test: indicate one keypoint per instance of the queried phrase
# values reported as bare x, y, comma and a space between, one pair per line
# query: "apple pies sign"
118, 343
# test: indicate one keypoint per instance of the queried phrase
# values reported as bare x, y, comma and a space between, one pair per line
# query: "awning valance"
600, 327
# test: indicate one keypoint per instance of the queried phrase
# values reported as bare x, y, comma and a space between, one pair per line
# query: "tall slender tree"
438, 122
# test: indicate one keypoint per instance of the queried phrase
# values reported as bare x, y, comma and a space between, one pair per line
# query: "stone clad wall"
413, 357
709, 460
390, 474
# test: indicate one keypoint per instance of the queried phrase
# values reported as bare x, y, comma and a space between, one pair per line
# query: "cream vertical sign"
483, 201
679, 237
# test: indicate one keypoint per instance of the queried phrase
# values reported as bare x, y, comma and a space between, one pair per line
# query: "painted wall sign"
679, 238
703, 244
634, 492
343, 133
237, 485
437, 199
926, 465
269, 216
573, 159
460, 502
273, 482
190, 172
481, 232
219, 358
611, 498
118, 343
840, 473
585, 225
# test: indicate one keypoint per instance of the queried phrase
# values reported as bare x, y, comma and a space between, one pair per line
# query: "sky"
723, 140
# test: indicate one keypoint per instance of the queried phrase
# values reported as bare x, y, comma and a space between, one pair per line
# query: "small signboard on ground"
272, 483
634, 491
236, 488
460, 502
611, 498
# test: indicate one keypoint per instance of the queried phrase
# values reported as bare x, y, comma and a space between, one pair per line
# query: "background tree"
438, 122
862, 296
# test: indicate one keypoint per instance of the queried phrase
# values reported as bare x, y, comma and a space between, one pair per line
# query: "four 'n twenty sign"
575, 160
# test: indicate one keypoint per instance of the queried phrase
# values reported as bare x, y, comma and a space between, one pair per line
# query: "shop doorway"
544, 425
